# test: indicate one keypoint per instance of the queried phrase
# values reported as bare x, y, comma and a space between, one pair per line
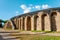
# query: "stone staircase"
6, 35
14, 34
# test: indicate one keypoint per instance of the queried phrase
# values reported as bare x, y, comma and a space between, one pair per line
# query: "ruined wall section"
9, 25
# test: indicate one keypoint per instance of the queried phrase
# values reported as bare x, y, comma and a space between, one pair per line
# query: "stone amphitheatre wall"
46, 20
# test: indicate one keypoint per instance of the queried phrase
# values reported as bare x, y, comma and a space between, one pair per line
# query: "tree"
5, 21
2, 22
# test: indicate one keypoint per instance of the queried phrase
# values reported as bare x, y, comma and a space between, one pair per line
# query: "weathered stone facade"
44, 20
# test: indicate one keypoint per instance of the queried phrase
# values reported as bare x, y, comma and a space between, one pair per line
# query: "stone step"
7, 36
11, 37
9, 31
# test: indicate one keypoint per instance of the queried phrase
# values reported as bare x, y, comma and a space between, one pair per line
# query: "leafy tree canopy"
4, 21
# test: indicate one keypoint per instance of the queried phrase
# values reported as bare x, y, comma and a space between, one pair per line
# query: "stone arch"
9, 25
43, 21
14, 23
28, 23
35, 22
53, 21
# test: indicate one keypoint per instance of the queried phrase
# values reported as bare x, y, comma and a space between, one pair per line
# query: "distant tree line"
2, 22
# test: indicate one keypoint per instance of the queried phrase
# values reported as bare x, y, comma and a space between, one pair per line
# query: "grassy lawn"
36, 37
40, 37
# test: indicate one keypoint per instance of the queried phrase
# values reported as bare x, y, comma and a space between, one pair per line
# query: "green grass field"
36, 37
40, 37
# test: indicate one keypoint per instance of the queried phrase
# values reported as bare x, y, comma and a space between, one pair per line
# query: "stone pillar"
32, 22
16, 23
39, 22
21, 23
25, 22
12, 25
47, 23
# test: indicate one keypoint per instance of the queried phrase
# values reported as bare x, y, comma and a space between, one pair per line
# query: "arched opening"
20, 24
43, 21
23, 24
17, 24
53, 21
28, 23
9, 26
35, 22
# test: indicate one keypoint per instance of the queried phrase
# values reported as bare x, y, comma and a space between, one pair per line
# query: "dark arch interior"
20, 23
43, 21
28, 23
23, 24
53, 21
35, 22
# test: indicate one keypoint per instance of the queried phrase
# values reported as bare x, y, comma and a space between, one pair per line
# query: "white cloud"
37, 7
29, 8
26, 11
23, 6
45, 6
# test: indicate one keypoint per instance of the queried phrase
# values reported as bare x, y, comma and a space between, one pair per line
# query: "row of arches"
36, 17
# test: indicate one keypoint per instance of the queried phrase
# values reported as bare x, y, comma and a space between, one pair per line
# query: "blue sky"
11, 8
